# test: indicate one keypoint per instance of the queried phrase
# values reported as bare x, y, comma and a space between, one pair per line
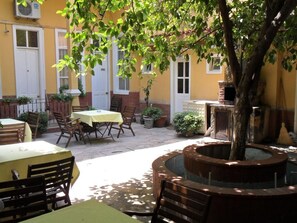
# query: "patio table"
11, 121
98, 116
88, 212
19, 155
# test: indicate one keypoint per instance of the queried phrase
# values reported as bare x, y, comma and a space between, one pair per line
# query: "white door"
29, 63
100, 86
181, 84
27, 75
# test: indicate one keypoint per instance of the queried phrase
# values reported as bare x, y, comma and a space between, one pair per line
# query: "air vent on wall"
31, 11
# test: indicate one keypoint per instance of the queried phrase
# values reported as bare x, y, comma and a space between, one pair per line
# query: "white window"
147, 68
214, 66
121, 85
61, 51
26, 38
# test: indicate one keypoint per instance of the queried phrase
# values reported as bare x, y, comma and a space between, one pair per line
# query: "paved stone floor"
119, 172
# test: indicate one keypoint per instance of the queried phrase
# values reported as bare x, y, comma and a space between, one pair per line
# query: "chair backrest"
9, 136
128, 114
181, 204
57, 175
20, 127
62, 121
116, 104
33, 121
22, 199
80, 108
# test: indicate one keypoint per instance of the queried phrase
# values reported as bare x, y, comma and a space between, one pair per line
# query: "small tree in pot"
150, 114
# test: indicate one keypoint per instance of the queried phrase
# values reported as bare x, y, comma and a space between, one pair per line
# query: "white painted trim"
116, 89
172, 93
73, 92
173, 84
57, 54
40, 52
208, 71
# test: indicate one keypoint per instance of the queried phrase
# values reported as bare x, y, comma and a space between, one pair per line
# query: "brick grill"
226, 93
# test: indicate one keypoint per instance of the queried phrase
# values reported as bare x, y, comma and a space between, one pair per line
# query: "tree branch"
227, 26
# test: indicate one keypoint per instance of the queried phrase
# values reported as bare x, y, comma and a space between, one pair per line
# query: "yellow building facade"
31, 44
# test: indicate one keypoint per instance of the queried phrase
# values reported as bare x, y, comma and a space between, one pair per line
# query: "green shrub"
43, 121
8, 100
152, 112
62, 97
22, 100
187, 123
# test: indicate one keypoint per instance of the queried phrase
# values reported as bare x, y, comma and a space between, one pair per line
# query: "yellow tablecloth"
90, 211
18, 156
98, 116
10, 121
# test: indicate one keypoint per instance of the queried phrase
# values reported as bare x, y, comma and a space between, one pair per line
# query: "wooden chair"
85, 127
76, 108
22, 199
178, 203
57, 175
69, 128
116, 104
128, 117
33, 122
9, 136
10, 131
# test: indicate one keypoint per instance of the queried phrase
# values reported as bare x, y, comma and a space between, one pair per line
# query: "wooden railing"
13, 110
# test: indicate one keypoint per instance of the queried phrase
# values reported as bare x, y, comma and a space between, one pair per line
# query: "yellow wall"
49, 21
274, 96
203, 86
7, 60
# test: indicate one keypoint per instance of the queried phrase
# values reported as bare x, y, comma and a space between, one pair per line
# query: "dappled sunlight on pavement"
119, 173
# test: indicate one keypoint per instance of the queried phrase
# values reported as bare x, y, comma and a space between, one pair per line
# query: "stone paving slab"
119, 172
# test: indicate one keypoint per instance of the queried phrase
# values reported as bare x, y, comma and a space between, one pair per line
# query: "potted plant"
7, 101
160, 122
43, 121
138, 118
187, 123
22, 100
150, 114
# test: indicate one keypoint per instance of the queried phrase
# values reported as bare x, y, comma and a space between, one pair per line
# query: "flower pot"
138, 118
160, 122
148, 122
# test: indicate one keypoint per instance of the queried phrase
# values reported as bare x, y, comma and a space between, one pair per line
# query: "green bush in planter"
187, 123
43, 121
152, 112
22, 100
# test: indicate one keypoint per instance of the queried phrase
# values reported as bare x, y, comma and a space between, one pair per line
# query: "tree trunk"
241, 115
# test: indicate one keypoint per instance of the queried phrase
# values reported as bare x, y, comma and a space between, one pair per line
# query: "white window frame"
116, 78
57, 31
147, 68
210, 67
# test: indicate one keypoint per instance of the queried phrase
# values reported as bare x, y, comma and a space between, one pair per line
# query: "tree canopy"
245, 33
162, 30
